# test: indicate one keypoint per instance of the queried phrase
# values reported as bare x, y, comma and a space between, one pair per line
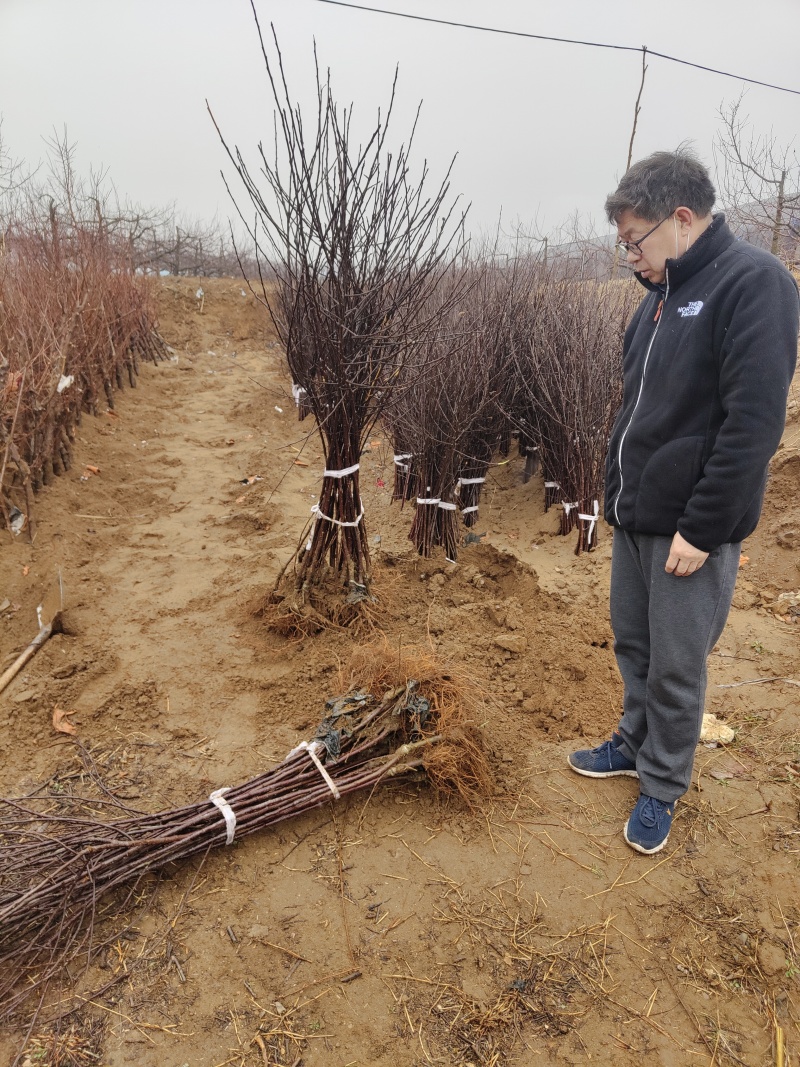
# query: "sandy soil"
402, 929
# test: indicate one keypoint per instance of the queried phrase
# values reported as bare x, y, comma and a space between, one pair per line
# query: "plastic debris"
471, 538
344, 705
357, 594
16, 521
65, 381
715, 730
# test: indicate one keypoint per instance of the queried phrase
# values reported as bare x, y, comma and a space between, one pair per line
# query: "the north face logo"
690, 309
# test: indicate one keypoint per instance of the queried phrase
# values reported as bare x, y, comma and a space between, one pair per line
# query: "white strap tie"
312, 748
400, 458
552, 485
337, 522
342, 473
445, 506
568, 507
466, 511
228, 814
429, 500
471, 481
592, 520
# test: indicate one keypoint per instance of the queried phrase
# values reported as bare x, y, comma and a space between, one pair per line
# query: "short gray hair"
658, 184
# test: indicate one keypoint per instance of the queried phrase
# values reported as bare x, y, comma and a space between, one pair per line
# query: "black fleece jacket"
706, 377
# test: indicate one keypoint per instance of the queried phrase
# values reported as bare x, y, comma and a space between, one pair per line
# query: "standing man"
707, 362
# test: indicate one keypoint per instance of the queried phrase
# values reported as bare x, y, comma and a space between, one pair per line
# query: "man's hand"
684, 559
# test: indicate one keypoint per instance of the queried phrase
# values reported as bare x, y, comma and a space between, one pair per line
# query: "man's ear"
685, 217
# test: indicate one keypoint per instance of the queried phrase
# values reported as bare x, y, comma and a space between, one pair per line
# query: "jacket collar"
709, 245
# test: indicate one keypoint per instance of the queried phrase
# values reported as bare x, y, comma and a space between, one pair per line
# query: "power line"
559, 40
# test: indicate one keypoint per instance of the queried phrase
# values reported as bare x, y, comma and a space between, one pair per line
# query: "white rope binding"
312, 748
229, 815
592, 520
429, 500
342, 473
337, 522
399, 461
467, 511
470, 481
445, 506
552, 485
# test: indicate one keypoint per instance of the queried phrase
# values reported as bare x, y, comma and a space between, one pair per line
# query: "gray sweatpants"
664, 628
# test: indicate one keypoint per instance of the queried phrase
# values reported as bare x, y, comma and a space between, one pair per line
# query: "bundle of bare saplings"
356, 245
452, 401
75, 321
67, 877
568, 375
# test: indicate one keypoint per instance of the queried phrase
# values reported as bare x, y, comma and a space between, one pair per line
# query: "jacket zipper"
638, 398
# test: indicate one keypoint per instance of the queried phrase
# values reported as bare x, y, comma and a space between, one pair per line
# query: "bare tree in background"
759, 183
160, 240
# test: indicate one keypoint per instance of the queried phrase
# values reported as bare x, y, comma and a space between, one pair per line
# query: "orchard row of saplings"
75, 320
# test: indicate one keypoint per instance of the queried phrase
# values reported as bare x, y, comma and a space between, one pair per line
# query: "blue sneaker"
648, 827
605, 761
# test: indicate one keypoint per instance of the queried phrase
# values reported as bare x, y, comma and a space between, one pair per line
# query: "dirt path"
400, 930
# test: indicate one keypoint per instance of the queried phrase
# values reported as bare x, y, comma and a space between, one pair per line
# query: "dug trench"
399, 927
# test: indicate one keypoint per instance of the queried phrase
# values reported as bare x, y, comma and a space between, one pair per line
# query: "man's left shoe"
648, 827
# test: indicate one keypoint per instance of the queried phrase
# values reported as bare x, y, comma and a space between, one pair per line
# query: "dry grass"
280, 1038
74, 1042
556, 979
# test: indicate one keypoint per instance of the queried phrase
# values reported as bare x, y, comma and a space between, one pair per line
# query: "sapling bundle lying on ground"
569, 386
357, 245
62, 872
75, 321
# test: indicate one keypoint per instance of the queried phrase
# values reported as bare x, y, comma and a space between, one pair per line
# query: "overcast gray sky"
541, 129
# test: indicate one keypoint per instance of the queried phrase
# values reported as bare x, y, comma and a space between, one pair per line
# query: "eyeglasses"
636, 246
